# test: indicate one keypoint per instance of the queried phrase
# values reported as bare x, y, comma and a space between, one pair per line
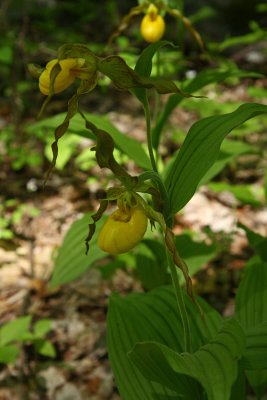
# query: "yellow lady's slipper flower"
70, 69
123, 230
152, 25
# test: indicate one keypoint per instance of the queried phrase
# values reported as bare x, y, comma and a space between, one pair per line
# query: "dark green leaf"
151, 266
200, 150
214, 365
202, 79
255, 356
152, 316
251, 309
251, 299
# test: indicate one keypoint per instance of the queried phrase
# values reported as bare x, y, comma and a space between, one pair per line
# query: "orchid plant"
167, 343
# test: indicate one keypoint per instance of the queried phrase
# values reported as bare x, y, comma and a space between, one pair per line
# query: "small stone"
68, 392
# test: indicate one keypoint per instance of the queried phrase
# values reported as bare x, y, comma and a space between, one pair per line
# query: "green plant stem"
180, 302
157, 96
149, 136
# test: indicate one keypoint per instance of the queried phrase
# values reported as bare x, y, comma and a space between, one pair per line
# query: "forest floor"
81, 369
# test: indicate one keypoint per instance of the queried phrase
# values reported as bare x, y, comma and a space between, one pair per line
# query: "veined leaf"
200, 150
214, 365
255, 356
202, 79
154, 316
251, 298
251, 309
71, 261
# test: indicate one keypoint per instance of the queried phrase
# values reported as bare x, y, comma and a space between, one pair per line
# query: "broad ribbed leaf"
200, 150
255, 356
214, 365
251, 309
202, 79
154, 316
251, 299
71, 261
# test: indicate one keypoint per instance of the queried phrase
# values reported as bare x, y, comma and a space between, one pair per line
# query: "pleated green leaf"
71, 261
251, 299
200, 150
202, 79
256, 347
251, 309
214, 366
154, 316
